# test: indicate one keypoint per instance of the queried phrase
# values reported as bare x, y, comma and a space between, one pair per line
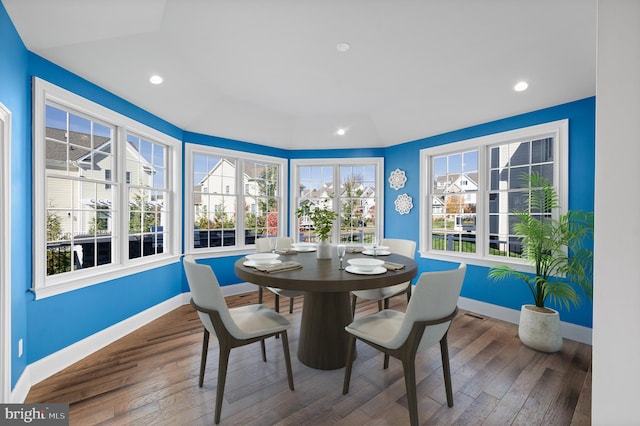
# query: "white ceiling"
268, 71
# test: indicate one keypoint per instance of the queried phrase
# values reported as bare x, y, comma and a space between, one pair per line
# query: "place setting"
374, 249
303, 247
269, 262
366, 266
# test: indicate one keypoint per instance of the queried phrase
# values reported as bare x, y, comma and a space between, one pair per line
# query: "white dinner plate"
378, 252
304, 249
252, 263
376, 271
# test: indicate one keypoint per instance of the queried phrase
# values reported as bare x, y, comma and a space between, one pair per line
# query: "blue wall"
51, 324
15, 95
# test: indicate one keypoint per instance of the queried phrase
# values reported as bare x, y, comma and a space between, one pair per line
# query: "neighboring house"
217, 191
462, 186
79, 207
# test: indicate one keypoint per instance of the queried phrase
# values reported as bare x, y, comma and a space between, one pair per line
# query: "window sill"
99, 275
478, 261
221, 252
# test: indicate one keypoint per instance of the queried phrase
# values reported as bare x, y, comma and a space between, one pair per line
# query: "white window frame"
121, 265
191, 150
5, 254
336, 163
559, 130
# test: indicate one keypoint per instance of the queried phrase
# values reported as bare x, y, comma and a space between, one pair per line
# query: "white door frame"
5, 256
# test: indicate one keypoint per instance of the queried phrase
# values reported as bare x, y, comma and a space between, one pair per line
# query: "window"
472, 187
146, 172
234, 198
350, 187
103, 185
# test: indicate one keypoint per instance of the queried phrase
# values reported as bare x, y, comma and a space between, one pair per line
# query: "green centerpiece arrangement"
322, 218
557, 249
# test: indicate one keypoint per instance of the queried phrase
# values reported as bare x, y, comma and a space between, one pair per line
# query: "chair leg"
291, 305
223, 362
386, 303
260, 294
379, 305
264, 350
287, 358
351, 345
277, 308
446, 368
386, 362
203, 357
409, 367
353, 305
409, 293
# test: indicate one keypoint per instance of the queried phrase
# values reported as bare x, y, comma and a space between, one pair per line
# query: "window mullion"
120, 244
337, 204
239, 211
482, 210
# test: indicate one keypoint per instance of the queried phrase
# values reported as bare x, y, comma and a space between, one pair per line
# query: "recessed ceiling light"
341, 132
521, 86
343, 47
155, 79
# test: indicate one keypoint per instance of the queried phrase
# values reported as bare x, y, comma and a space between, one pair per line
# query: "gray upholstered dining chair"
233, 327
398, 246
282, 243
429, 315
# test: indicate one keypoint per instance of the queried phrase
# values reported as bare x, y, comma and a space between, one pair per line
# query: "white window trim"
380, 183
121, 266
5, 256
190, 150
559, 130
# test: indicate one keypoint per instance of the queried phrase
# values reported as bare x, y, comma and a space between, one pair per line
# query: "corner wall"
616, 337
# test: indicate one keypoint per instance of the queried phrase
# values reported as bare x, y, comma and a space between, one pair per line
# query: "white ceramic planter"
540, 330
324, 250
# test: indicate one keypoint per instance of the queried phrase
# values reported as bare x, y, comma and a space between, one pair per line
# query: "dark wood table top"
323, 275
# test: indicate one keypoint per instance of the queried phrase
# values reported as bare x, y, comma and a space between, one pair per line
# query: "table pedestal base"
323, 341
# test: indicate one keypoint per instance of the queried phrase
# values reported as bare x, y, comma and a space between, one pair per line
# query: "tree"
54, 225
351, 211
143, 216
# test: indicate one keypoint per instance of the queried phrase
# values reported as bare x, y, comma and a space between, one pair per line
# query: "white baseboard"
51, 364
569, 331
48, 366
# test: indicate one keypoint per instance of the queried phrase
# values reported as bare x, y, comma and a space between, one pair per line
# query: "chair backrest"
283, 243
435, 296
401, 247
206, 293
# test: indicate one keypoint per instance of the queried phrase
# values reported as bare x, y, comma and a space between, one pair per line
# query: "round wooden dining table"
326, 310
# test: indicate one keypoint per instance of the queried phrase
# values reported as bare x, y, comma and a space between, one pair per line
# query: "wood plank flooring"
150, 377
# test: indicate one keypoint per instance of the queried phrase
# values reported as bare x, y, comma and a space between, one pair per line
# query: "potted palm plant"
322, 218
557, 249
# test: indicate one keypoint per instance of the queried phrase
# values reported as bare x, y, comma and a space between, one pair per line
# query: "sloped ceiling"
269, 72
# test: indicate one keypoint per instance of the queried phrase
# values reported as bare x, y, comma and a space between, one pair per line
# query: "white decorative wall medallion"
404, 204
397, 179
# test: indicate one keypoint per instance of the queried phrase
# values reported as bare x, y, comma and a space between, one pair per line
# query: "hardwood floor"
150, 377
